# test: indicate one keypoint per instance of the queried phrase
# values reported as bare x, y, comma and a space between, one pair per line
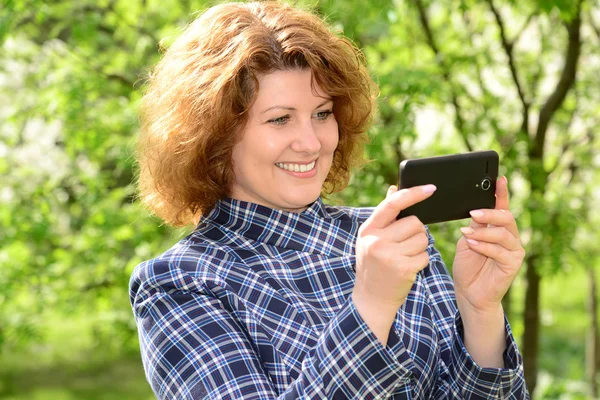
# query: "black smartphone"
465, 182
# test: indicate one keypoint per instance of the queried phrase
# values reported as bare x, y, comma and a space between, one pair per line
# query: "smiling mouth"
297, 167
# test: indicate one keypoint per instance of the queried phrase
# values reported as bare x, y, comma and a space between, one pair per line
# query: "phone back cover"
458, 180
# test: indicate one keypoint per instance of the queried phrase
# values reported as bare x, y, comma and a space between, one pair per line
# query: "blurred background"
519, 77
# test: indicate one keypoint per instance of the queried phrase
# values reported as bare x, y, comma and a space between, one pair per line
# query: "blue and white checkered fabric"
256, 304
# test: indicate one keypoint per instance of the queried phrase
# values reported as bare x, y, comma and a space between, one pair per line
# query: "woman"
251, 114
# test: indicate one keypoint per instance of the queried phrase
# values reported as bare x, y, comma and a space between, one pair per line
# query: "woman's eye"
280, 120
324, 115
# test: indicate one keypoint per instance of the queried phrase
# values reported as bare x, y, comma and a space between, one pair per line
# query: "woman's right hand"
389, 254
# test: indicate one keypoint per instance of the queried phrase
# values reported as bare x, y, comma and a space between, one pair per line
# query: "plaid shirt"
256, 304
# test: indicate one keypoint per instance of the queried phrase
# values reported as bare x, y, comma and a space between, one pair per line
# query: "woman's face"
287, 145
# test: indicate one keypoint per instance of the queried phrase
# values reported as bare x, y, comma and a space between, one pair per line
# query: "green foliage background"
72, 74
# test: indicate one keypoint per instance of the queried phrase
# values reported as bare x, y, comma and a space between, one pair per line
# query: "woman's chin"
300, 203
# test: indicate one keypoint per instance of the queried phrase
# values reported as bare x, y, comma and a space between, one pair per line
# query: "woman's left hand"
488, 256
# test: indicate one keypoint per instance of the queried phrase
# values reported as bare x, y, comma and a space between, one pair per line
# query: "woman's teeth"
297, 167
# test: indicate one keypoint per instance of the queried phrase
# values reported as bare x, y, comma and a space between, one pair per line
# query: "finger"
493, 251
397, 255
475, 225
412, 264
387, 211
503, 218
403, 229
502, 202
414, 245
420, 261
497, 235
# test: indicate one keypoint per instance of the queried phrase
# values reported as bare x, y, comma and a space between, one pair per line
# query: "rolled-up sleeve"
475, 382
459, 377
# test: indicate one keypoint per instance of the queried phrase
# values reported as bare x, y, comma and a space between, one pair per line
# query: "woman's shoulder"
192, 259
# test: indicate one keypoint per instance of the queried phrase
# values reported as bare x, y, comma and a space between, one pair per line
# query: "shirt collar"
314, 230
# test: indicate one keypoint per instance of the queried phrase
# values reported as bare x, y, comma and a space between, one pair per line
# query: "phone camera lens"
486, 184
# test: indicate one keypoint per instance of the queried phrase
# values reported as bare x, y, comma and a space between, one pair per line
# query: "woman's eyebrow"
292, 108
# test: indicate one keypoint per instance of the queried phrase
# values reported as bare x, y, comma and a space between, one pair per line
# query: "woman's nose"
307, 140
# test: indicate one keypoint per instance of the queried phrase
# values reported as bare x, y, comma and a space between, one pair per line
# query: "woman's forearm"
377, 317
484, 336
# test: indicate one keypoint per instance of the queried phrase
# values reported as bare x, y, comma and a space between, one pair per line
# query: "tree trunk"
592, 352
532, 324
538, 177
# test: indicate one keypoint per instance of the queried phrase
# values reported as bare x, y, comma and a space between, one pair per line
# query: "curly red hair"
199, 93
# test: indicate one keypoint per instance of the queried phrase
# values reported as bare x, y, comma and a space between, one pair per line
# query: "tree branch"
568, 142
595, 27
97, 69
21, 134
139, 28
484, 90
566, 81
524, 27
459, 120
398, 150
106, 283
508, 47
391, 175
565, 148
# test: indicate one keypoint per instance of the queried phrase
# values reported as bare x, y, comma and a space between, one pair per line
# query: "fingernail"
476, 213
466, 230
473, 242
505, 179
429, 188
